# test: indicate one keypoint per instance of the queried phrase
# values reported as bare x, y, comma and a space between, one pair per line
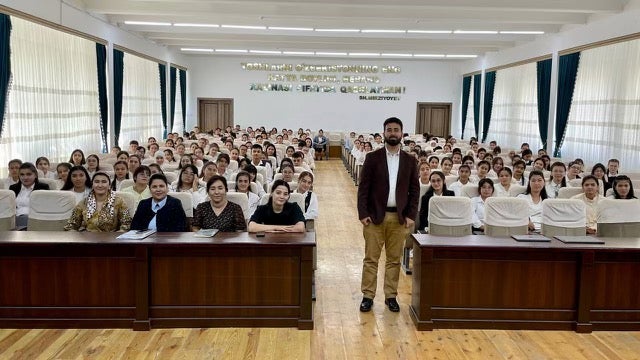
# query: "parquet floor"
341, 331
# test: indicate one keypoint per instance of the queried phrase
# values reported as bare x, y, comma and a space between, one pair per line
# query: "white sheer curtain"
141, 101
604, 120
177, 118
514, 118
470, 128
53, 98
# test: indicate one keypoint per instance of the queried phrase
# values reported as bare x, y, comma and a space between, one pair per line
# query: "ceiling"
309, 17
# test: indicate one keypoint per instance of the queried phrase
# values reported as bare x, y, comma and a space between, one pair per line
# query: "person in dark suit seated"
28, 175
160, 212
278, 215
438, 188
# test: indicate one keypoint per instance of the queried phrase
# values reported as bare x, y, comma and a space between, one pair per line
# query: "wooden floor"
341, 331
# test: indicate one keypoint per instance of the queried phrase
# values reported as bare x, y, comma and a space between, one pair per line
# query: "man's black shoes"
392, 304
366, 304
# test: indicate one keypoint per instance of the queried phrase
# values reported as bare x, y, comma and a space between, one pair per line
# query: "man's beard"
393, 141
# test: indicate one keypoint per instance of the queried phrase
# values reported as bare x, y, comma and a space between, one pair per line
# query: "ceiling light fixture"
289, 28
475, 32
429, 55
231, 50
321, 53
396, 55
196, 25
338, 30
248, 27
461, 56
197, 50
363, 54
149, 23
265, 52
522, 32
381, 31
298, 52
429, 31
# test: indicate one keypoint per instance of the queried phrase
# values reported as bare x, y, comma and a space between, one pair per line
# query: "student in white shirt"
42, 163
305, 182
79, 182
557, 180
591, 198
120, 173
485, 188
28, 175
243, 185
464, 173
424, 170
501, 189
534, 196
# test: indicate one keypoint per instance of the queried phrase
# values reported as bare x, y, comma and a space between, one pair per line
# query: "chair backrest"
575, 183
126, 183
171, 176
53, 183
449, 215
7, 210
563, 217
450, 179
423, 190
506, 216
187, 202
262, 170
515, 190
618, 218
233, 166
241, 199
50, 209
130, 200
568, 192
469, 190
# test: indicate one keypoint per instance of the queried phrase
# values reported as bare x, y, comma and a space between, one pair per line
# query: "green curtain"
477, 82
172, 97
543, 69
183, 97
101, 56
5, 65
466, 89
567, 72
162, 68
489, 86
118, 72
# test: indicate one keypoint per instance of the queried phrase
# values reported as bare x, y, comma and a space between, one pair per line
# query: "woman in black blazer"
438, 188
28, 180
169, 218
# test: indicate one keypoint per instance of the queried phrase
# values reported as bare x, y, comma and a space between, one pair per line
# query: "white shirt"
535, 211
22, 200
591, 209
81, 195
312, 211
553, 189
500, 191
477, 208
393, 165
456, 187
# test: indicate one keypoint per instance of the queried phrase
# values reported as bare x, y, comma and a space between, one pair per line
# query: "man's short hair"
392, 120
298, 154
256, 146
134, 142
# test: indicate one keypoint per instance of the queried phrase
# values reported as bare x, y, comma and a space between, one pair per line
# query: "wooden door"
215, 113
433, 118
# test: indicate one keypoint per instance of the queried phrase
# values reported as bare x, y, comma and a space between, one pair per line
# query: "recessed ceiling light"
331, 53
289, 28
298, 52
338, 30
475, 32
396, 55
363, 54
196, 25
265, 52
522, 32
460, 56
151, 23
231, 50
248, 27
381, 31
429, 31
197, 50
429, 55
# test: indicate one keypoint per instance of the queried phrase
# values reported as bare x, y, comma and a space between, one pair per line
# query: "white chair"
568, 192
241, 199
469, 190
450, 179
187, 202
126, 183
506, 216
449, 215
408, 244
515, 190
130, 200
262, 171
575, 183
618, 218
50, 209
7, 210
171, 176
53, 183
563, 217
233, 166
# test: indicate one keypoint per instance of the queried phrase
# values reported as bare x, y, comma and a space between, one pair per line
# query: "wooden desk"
92, 280
498, 283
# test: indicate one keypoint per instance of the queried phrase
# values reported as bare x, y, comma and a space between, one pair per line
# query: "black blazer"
170, 218
37, 186
424, 207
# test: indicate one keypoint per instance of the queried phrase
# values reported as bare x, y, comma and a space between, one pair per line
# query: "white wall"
223, 77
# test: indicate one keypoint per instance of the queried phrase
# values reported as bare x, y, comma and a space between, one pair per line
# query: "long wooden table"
92, 280
499, 283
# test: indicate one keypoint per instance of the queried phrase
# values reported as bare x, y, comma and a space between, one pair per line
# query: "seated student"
102, 210
557, 179
257, 160
243, 185
505, 176
485, 188
518, 173
218, 212
527, 157
188, 182
28, 181
14, 172
287, 172
622, 188
134, 162
534, 196
140, 188
298, 160
591, 198
278, 215
208, 171
438, 188
222, 163
161, 212
483, 171
305, 182
253, 173
79, 182
77, 158
42, 163
62, 172
424, 170
573, 171
600, 173
538, 164
496, 165
468, 160
464, 174
92, 165
120, 173
434, 163
612, 169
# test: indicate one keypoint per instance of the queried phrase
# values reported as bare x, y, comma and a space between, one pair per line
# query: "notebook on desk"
136, 234
579, 239
205, 233
531, 238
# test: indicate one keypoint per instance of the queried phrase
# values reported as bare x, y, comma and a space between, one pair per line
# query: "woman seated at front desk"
101, 210
160, 212
278, 215
218, 213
